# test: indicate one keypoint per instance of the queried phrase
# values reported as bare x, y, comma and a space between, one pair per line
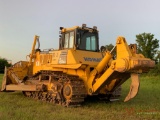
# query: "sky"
20, 20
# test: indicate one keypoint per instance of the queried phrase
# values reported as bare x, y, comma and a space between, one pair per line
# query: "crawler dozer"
77, 69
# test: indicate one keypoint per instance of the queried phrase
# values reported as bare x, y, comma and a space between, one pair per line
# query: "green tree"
147, 45
3, 63
109, 47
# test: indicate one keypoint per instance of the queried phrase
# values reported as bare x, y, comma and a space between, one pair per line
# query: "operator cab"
79, 38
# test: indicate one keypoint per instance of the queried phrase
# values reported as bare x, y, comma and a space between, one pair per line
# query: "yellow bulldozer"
77, 69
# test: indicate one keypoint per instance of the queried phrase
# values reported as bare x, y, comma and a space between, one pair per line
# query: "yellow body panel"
65, 59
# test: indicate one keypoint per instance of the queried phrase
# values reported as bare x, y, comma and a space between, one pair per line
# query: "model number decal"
92, 59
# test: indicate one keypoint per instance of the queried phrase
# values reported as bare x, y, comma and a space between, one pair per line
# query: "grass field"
145, 106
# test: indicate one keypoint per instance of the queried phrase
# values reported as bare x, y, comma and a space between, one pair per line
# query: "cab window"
91, 43
88, 41
69, 40
66, 40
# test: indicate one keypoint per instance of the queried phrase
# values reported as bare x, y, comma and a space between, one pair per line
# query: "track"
66, 90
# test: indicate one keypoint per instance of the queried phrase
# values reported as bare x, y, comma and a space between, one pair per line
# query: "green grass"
145, 106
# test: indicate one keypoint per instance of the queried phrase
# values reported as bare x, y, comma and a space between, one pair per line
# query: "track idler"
134, 87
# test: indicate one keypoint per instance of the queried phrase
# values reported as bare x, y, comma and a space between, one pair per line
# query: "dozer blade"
4, 80
134, 87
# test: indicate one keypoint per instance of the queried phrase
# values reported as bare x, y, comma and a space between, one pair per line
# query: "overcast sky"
20, 20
